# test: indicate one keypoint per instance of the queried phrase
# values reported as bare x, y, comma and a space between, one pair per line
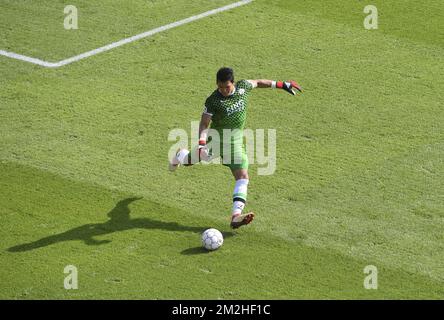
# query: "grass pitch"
360, 169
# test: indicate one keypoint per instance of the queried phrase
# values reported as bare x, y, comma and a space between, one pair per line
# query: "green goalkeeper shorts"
233, 154
237, 159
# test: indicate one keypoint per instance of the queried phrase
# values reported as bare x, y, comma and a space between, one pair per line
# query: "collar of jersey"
234, 91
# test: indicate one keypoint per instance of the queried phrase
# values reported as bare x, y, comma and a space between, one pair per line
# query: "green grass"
98, 23
360, 168
129, 247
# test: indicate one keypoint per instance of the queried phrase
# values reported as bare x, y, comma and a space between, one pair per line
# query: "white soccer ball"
212, 239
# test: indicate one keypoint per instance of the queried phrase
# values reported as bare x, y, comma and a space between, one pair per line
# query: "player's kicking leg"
238, 218
180, 158
184, 157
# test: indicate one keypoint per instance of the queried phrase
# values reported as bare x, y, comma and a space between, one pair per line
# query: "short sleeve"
245, 84
208, 108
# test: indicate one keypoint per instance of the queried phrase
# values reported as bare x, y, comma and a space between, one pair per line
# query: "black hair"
225, 74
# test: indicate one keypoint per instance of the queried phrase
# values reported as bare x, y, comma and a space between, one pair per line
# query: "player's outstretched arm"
285, 85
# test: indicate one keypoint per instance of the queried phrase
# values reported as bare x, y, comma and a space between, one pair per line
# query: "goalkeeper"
226, 108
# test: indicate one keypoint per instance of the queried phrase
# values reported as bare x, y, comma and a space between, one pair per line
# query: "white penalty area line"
123, 41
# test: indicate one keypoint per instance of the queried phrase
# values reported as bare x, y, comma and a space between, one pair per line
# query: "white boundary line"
123, 41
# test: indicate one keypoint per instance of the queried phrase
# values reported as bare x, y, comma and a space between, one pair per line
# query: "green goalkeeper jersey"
229, 112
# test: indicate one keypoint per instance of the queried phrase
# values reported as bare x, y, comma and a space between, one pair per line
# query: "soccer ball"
212, 239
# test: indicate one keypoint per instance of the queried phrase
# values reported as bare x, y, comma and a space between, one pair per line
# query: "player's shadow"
119, 221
